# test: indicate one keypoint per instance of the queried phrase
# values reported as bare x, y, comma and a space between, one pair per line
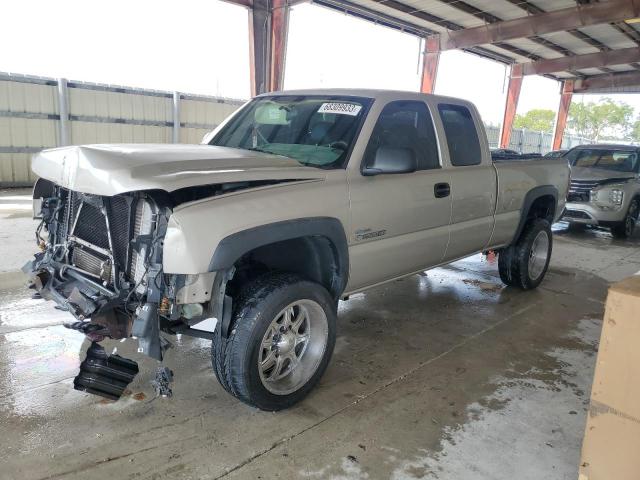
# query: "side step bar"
103, 374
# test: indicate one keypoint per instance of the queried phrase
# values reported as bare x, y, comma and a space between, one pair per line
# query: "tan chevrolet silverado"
296, 201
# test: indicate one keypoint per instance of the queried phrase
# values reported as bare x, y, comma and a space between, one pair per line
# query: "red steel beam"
513, 94
258, 48
542, 23
268, 28
603, 82
279, 30
576, 62
563, 113
430, 65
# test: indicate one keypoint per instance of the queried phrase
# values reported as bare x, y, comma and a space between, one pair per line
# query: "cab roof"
376, 94
608, 146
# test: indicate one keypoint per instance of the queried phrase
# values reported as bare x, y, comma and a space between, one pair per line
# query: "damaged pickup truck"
296, 201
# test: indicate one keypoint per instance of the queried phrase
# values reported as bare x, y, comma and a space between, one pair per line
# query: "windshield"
616, 160
317, 131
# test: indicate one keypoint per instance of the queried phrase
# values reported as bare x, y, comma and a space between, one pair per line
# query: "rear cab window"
462, 135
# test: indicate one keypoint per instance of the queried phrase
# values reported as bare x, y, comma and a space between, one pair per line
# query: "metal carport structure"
589, 46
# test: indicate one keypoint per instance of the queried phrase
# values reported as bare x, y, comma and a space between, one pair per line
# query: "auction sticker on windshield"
340, 108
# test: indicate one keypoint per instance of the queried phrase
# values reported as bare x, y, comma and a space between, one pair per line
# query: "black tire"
625, 228
217, 359
513, 261
235, 359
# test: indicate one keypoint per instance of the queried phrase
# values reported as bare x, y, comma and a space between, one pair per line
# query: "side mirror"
391, 160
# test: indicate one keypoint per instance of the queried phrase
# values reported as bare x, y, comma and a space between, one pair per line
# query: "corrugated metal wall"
30, 118
28, 123
197, 113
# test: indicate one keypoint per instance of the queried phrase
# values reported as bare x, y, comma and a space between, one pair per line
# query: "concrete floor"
445, 375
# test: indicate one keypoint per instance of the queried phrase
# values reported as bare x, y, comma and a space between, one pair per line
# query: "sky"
194, 46
201, 46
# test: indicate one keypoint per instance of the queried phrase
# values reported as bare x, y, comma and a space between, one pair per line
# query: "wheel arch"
315, 248
539, 202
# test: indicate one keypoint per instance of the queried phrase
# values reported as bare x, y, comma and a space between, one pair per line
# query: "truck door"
473, 180
400, 222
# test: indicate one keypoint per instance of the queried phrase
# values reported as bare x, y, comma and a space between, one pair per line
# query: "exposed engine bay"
101, 260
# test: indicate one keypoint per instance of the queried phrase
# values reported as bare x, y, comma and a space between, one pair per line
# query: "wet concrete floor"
445, 375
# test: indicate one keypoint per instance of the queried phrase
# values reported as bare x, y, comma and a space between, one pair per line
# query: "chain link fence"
529, 141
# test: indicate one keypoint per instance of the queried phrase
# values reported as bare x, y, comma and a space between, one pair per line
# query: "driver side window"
406, 124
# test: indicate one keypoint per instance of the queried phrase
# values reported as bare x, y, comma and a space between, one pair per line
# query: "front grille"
576, 214
580, 190
578, 197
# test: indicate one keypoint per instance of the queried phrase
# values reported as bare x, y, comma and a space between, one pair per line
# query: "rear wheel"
625, 228
525, 263
281, 340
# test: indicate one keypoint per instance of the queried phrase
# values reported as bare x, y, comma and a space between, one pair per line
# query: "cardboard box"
611, 446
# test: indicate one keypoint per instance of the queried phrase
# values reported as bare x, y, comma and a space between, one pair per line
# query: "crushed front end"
101, 260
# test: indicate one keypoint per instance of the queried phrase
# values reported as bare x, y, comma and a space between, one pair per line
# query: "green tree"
635, 131
537, 119
595, 120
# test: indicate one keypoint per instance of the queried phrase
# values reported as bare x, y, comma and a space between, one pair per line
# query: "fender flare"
531, 196
233, 247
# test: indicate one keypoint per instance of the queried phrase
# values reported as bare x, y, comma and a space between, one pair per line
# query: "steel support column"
63, 104
268, 27
430, 61
563, 113
175, 132
513, 94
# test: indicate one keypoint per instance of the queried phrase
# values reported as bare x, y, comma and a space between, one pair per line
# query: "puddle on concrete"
438, 306
18, 311
350, 469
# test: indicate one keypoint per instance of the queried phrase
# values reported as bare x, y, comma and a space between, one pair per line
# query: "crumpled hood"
113, 169
598, 174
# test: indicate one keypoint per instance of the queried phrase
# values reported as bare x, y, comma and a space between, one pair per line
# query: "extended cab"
296, 201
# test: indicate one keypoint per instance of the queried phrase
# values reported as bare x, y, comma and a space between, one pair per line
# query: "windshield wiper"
263, 150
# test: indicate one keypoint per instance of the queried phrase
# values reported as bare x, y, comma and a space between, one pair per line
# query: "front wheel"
525, 263
625, 228
282, 336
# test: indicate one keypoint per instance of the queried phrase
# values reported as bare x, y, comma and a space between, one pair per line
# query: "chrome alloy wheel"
538, 255
293, 347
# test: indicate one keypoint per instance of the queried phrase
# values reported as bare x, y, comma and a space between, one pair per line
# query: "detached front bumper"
81, 296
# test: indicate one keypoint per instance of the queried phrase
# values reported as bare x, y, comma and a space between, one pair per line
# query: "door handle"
441, 190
